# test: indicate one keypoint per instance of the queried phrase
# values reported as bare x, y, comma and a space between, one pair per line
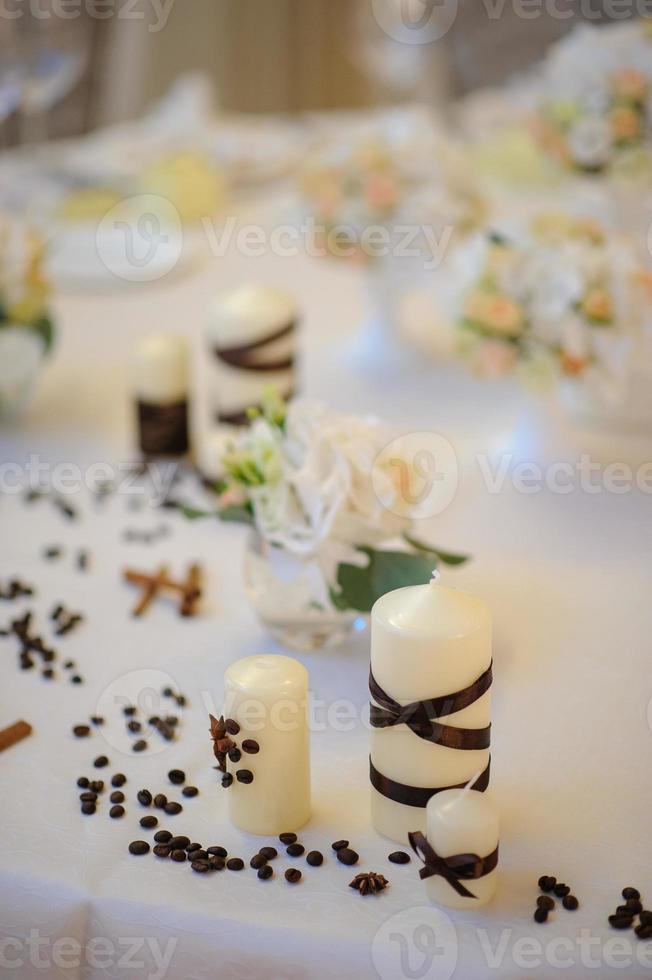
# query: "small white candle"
268, 697
427, 641
461, 821
159, 382
251, 339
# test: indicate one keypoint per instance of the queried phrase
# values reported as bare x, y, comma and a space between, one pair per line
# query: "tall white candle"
159, 383
251, 339
462, 822
268, 698
427, 641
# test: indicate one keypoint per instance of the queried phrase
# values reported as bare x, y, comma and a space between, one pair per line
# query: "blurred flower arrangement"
596, 111
566, 300
26, 329
331, 522
367, 183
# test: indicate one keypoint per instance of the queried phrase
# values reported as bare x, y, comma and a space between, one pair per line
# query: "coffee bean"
630, 893
216, 862
634, 905
200, 866
287, 838
167, 692
347, 856
265, 872
235, 755
88, 795
570, 902
257, 861
178, 855
177, 776
540, 915
293, 875
193, 846
199, 855
217, 851
250, 746
547, 883
190, 791
399, 857
232, 726
644, 931
172, 808
314, 858
83, 782
117, 811
295, 850
339, 844
139, 847
227, 780
148, 823
101, 762
162, 850
560, 890
646, 917
97, 785
76, 679
160, 800
134, 726
545, 902
623, 910
162, 836
244, 776
144, 796
88, 807
269, 852
129, 711
81, 731
119, 779
620, 921
139, 746
179, 843
117, 797
181, 700
235, 864
47, 674
97, 720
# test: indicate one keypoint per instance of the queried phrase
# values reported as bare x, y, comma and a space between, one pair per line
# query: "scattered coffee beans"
235, 864
117, 811
139, 847
88, 807
190, 791
179, 843
540, 914
287, 838
347, 856
148, 823
293, 875
244, 776
177, 776
81, 731
265, 872
172, 808
101, 762
217, 851
338, 845
178, 855
295, 850
117, 796
399, 857
139, 746
629, 892
119, 779
250, 746
545, 902
162, 836
269, 852
144, 796
314, 858
162, 850
257, 861
570, 902
160, 800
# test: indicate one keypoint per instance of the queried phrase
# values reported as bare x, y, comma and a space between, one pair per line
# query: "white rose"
590, 141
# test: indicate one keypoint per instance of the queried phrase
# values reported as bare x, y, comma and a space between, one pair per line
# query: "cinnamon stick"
14, 734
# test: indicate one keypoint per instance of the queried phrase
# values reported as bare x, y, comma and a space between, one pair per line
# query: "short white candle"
251, 317
159, 383
427, 641
462, 821
267, 696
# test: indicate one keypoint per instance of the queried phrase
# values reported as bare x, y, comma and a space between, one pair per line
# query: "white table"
567, 576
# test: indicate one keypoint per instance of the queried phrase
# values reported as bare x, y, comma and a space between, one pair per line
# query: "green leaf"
45, 329
194, 514
447, 557
359, 588
240, 514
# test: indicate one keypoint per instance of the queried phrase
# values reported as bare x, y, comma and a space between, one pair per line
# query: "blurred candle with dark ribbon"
159, 384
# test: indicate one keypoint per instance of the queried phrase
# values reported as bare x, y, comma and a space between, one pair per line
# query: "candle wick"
435, 576
473, 780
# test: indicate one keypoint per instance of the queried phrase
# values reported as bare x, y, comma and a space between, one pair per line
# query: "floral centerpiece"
331, 528
595, 113
564, 300
26, 330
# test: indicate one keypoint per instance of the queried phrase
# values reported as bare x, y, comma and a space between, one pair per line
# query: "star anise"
222, 743
370, 882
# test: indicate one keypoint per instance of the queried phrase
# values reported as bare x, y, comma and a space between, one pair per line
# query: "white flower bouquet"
323, 500
595, 112
26, 330
563, 301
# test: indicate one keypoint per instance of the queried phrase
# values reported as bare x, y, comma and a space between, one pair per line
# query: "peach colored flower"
572, 366
625, 124
495, 312
630, 84
380, 192
598, 305
495, 359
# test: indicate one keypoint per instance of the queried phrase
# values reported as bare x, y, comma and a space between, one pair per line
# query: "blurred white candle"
159, 383
427, 641
462, 822
255, 327
268, 697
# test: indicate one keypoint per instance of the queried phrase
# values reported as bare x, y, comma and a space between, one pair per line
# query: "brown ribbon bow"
420, 716
468, 866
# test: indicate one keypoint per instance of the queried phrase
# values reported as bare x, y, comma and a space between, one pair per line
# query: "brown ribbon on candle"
163, 429
241, 356
418, 795
467, 866
419, 715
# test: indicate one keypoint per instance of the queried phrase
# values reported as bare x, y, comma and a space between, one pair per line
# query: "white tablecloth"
568, 579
